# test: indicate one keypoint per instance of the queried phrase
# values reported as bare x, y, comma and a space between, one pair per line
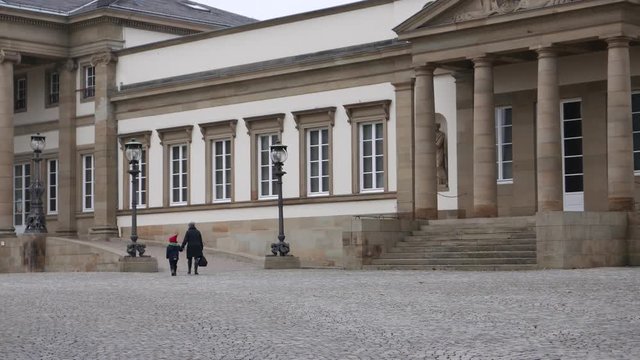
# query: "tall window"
371, 157
179, 175
52, 186
635, 111
504, 144
21, 203
89, 82
572, 146
20, 97
142, 181
318, 161
221, 155
87, 183
53, 88
266, 174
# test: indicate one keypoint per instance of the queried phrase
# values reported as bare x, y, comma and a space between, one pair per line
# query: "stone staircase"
465, 244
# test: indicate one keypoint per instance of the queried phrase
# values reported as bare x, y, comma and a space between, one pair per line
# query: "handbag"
202, 261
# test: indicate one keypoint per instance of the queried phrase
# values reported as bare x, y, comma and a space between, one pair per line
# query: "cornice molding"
178, 130
330, 113
31, 21
226, 127
382, 105
10, 56
131, 23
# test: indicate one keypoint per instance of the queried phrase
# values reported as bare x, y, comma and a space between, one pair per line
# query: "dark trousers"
173, 264
195, 265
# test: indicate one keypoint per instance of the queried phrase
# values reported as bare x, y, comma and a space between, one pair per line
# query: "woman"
193, 242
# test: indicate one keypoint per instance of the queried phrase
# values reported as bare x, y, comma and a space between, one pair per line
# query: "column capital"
426, 69
69, 65
483, 61
546, 51
403, 85
618, 41
103, 58
10, 56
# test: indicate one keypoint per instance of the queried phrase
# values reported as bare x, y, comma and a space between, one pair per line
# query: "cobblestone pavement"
322, 314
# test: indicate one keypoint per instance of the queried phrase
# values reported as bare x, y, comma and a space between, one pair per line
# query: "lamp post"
133, 150
36, 221
278, 157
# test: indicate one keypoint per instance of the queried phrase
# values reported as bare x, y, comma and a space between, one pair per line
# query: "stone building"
535, 100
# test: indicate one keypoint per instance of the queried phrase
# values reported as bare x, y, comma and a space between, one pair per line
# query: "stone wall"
573, 240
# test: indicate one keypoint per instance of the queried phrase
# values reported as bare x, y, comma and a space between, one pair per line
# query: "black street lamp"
133, 150
278, 157
36, 220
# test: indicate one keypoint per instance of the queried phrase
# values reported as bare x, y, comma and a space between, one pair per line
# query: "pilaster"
7, 61
404, 141
106, 150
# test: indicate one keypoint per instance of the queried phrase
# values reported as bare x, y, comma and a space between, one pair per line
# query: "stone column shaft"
619, 126
464, 116
67, 151
7, 61
549, 134
105, 151
485, 188
426, 182
404, 140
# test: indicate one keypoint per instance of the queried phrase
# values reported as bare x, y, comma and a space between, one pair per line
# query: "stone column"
549, 136
7, 60
67, 150
485, 188
404, 141
464, 116
105, 151
619, 126
426, 182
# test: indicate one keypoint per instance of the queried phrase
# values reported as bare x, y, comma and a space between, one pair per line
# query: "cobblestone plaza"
236, 311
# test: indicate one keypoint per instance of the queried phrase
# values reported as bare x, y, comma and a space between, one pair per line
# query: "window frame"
563, 139
368, 113
25, 201
49, 87
88, 90
257, 126
211, 133
84, 194
18, 79
307, 121
634, 93
499, 117
170, 137
183, 173
49, 186
144, 137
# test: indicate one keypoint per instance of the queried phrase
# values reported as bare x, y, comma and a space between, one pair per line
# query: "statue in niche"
441, 159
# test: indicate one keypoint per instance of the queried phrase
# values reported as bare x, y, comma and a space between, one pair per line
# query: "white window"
53, 88
52, 186
89, 82
21, 203
142, 181
635, 111
266, 174
87, 183
20, 94
371, 157
504, 144
318, 162
221, 155
179, 175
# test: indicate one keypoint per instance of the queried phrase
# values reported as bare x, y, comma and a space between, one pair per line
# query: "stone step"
418, 247
521, 267
512, 220
472, 236
461, 255
448, 229
462, 261
461, 242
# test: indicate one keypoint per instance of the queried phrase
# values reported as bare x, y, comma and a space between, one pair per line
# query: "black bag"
202, 261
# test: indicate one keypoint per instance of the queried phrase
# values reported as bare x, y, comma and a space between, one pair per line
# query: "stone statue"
441, 158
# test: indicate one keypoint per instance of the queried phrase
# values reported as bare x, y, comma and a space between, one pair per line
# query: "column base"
621, 204
107, 232
427, 214
272, 262
544, 206
485, 211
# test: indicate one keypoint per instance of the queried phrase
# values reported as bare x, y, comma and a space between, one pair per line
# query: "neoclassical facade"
536, 103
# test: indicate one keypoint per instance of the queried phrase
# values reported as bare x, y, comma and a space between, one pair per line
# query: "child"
173, 253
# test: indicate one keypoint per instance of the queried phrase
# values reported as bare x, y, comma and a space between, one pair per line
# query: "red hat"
173, 239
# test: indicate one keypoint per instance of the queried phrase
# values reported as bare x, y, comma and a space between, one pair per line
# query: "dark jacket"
173, 251
193, 242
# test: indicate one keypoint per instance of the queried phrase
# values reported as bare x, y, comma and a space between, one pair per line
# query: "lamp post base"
273, 262
144, 264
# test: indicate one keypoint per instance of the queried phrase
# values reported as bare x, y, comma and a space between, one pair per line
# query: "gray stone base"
272, 262
145, 264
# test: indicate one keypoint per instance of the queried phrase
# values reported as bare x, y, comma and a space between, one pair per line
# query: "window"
21, 203
53, 88
89, 82
20, 97
179, 175
142, 181
635, 111
315, 127
572, 146
87, 183
369, 133
264, 132
504, 144
221, 151
144, 138
219, 138
52, 186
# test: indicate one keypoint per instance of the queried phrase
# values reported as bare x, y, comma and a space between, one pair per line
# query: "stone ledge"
272, 262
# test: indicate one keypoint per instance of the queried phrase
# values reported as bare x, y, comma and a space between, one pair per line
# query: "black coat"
193, 242
173, 251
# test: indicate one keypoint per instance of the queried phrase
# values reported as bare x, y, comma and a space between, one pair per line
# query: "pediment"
443, 12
